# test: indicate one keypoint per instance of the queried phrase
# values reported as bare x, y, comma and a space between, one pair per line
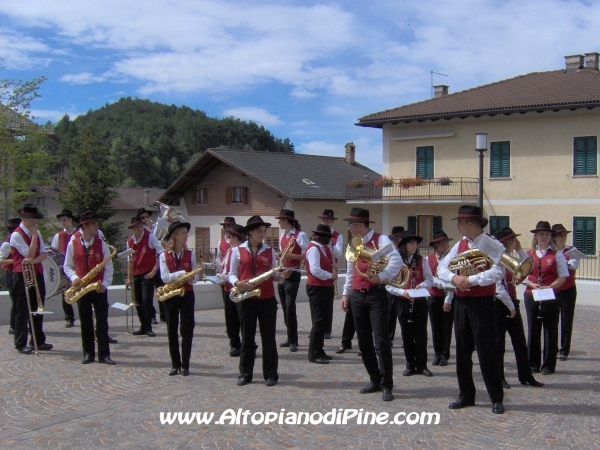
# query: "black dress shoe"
387, 395
284, 344
154, 322
425, 372
107, 360
535, 370
45, 347
293, 348
87, 359
444, 361
563, 357
139, 332
271, 382
242, 381
505, 384
69, 324
408, 372
461, 403
498, 408
327, 357
11, 331
342, 349
151, 333
359, 354
533, 382
319, 361
112, 341
436, 360
234, 351
327, 336
547, 371
25, 350
185, 372
370, 388
175, 371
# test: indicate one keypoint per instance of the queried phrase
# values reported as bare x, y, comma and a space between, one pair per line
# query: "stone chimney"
574, 63
350, 153
591, 61
440, 91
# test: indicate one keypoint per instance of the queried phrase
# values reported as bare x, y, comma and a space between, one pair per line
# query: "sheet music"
416, 293
120, 306
492, 248
574, 254
214, 279
539, 295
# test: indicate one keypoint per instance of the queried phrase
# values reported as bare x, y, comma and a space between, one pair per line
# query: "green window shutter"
584, 236
585, 155
500, 159
411, 223
498, 222
437, 223
425, 162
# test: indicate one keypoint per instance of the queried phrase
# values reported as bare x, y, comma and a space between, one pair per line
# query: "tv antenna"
437, 73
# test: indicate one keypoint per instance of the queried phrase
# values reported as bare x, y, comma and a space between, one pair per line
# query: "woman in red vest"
175, 262
549, 271
320, 277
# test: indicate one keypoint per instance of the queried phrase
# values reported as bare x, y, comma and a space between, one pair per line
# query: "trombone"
30, 279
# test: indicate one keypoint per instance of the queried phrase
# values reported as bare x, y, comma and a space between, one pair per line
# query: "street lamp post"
481, 146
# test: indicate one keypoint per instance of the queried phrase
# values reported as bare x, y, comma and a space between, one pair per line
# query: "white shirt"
338, 248
313, 260
234, 268
167, 276
301, 239
17, 241
69, 264
56, 239
391, 270
5, 250
153, 242
425, 284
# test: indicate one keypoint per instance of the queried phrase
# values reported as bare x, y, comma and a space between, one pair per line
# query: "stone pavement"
52, 400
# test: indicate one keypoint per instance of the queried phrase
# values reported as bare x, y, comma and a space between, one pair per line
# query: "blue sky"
306, 70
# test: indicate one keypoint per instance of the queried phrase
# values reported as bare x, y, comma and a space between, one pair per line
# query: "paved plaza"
52, 400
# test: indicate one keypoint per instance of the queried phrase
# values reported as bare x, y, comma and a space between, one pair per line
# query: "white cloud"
82, 78
21, 52
257, 115
52, 115
320, 148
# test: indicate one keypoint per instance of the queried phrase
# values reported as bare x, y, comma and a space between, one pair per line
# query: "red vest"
185, 263
416, 275
359, 282
433, 265
549, 273
570, 281
510, 287
475, 291
144, 258
63, 241
223, 247
296, 251
263, 263
325, 262
95, 256
17, 258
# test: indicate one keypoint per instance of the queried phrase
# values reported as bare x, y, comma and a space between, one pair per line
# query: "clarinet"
411, 317
540, 310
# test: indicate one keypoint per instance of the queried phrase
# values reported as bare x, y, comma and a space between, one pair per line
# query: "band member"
567, 294
288, 290
549, 271
248, 261
474, 314
84, 253
321, 274
141, 271
370, 306
395, 303
144, 216
440, 302
59, 242
175, 262
413, 315
336, 245
235, 236
26, 244
7, 266
508, 315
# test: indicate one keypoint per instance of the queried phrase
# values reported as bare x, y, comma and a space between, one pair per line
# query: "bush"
357, 183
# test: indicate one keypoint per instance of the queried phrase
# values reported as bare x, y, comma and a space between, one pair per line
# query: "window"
237, 194
202, 197
584, 155
425, 162
498, 222
41, 202
424, 226
584, 234
500, 159
272, 238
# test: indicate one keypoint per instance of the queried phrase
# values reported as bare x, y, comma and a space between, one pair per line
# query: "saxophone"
176, 287
74, 294
237, 295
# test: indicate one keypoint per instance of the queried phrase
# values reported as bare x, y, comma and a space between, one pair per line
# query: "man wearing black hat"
474, 314
288, 290
27, 244
370, 306
144, 215
84, 252
336, 245
395, 304
59, 242
5, 253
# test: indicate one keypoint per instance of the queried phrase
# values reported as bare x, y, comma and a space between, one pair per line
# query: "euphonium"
74, 294
377, 259
176, 287
519, 269
470, 262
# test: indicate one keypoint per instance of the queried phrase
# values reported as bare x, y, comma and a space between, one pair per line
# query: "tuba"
74, 294
176, 287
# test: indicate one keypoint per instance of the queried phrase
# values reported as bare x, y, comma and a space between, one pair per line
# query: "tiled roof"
129, 199
294, 175
535, 91
15, 122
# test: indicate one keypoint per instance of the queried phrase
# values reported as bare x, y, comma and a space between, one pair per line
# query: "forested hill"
151, 143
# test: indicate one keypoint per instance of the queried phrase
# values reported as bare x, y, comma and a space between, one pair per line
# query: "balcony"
413, 190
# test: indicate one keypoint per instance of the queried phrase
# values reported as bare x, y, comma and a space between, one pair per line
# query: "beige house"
540, 164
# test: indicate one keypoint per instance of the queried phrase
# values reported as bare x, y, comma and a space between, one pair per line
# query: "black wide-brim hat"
142, 211
174, 226
87, 216
286, 214
410, 235
255, 222
236, 230
472, 212
505, 234
134, 220
559, 228
396, 232
65, 213
542, 225
228, 221
439, 236
13, 223
359, 215
327, 214
30, 211
323, 230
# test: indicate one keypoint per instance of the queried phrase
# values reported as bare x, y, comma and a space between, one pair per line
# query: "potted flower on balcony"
407, 183
384, 182
445, 181
357, 183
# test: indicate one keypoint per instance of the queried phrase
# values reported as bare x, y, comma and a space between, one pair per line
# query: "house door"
203, 244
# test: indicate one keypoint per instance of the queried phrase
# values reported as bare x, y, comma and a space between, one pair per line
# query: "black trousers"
100, 304
516, 332
348, 330
288, 291
144, 296
265, 311
11, 293
22, 312
566, 302
475, 328
414, 334
180, 308
395, 310
68, 310
158, 282
371, 311
319, 298
232, 320
549, 322
329, 315
441, 326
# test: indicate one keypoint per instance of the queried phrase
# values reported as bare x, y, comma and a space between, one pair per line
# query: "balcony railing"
414, 189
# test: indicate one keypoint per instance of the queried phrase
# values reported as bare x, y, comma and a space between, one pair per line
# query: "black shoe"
461, 403
293, 348
271, 382
25, 350
139, 332
87, 359
324, 356
505, 384
533, 382
563, 357
535, 370
391, 343
11, 331
341, 350
547, 371
234, 351
112, 341
242, 381
425, 372
69, 324
107, 360
387, 395
284, 344
45, 347
327, 336
371, 387
359, 354
408, 372
498, 408
436, 361
175, 371
444, 361
154, 322
319, 361
185, 372
151, 333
